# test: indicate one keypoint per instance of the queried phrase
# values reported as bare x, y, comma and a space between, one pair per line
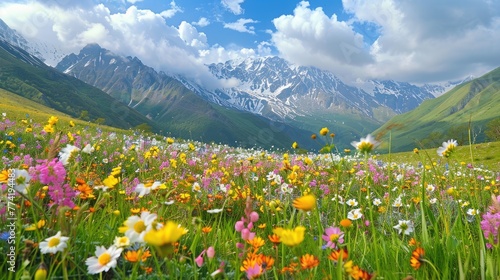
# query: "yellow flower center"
334, 237
53, 242
139, 226
365, 146
104, 259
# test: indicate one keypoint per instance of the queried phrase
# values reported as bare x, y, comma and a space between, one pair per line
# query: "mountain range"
274, 103
171, 105
271, 89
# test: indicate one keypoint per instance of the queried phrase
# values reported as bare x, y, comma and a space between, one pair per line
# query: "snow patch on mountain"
46, 52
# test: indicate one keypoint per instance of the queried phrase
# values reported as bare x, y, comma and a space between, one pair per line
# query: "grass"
169, 208
483, 155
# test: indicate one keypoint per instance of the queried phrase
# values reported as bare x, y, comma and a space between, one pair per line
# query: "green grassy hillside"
470, 105
33, 80
484, 155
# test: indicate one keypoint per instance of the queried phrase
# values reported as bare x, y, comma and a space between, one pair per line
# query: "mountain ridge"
169, 103
27, 76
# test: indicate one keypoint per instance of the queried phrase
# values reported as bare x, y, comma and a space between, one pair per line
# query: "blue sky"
423, 41
224, 21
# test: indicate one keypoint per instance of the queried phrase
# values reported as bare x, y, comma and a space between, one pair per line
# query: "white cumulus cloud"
233, 5
310, 37
241, 25
415, 41
134, 32
202, 22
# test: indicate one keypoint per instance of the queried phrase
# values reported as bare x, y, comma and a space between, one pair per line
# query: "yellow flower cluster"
51, 123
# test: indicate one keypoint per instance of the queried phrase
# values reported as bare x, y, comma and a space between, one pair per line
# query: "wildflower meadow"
90, 202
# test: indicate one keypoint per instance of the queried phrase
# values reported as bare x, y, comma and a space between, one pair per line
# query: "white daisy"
196, 187
377, 201
270, 176
135, 227
352, 202
365, 145
397, 202
21, 181
88, 149
404, 226
67, 152
447, 148
355, 214
144, 189
54, 244
277, 179
285, 188
103, 260
473, 212
223, 188
121, 242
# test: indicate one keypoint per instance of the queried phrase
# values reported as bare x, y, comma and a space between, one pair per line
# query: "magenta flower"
210, 252
490, 226
254, 271
333, 236
199, 259
53, 175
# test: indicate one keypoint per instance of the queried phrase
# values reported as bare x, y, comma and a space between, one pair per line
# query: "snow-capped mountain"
272, 87
166, 101
441, 88
46, 52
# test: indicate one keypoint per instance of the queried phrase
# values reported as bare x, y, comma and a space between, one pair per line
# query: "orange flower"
417, 257
147, 269
267, 262
306, 202
345, 223
291, 269
206, 229
275, 239
85, 191
308, 261
250, 262
364, 275
256, 243
341, 253
134, 256
413, 242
